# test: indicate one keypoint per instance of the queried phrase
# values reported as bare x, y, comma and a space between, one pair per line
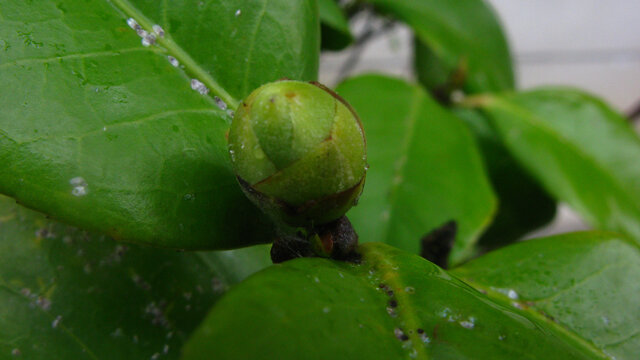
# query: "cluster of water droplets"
198, 86
80, 186
147, 38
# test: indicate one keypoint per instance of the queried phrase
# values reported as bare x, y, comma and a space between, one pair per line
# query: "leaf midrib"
407, 316
177, 52
504, 300
401, 164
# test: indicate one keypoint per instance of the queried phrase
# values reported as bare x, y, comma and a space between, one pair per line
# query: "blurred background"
590, 44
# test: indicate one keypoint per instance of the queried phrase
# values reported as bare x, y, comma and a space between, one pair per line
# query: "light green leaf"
104, 133
586, 283
453, 36
578, 148
68, 294
393, 305
425, 168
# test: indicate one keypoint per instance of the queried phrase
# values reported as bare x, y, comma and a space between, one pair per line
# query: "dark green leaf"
578, 148
588, 283
336, 34
523, 205
394, 305
67, 294
425, 169
101, 132
456, 36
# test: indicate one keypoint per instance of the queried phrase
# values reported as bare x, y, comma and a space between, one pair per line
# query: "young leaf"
578, 148
425, 169
523, 205
336, 34
66, 294
462, 36
102, 132
393, 305
587, 283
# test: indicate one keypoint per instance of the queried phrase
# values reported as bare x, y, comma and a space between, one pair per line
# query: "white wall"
592, 44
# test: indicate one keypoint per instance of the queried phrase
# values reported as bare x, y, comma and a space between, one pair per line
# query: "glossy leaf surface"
394, 305
104, 133
425, 168
523, 205
462, 35
67, 294
587, 283
243, 44
578, 148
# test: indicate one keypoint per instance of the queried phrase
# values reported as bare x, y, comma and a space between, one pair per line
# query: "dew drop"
400, 334
517, 305
133, 24
512, 294
315, 278
221, 104
326, 309
148, 40
158, 30
467, 324
80, 186
238, 12
502, 337
56, 321
199, 87
173, 61
392, 312
165, 349
410, 290
43, 303
116, 333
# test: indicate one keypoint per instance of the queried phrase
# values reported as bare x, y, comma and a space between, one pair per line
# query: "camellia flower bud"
298, 150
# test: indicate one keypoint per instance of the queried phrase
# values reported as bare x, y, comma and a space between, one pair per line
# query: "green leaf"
523, 205
336, 34
243, 43
462, 35
578, 148
104, 133
394, 305
425, 168
587, 283
67, 294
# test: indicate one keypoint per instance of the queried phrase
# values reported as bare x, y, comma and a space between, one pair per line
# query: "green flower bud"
298, 150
